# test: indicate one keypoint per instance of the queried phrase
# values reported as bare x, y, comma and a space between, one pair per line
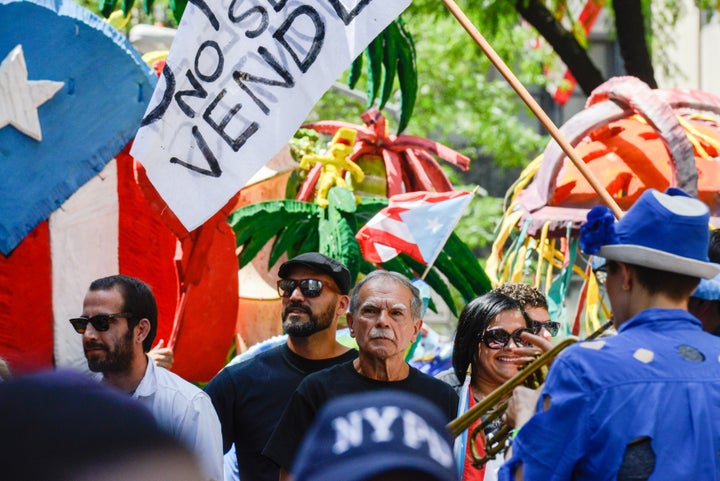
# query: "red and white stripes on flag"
107, 227
417, 224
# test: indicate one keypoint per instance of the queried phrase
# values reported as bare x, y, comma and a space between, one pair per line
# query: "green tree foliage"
461, 100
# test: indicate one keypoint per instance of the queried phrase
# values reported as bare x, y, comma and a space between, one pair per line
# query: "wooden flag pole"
536, 109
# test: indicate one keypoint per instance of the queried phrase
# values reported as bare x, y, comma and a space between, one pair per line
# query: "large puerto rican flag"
72, 94
417, 224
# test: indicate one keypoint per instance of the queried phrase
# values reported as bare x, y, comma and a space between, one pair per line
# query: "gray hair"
416, 304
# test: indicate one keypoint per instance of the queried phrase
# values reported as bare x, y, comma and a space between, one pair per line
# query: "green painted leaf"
178, 8
460, 254
311, 243
342, 199
256, 224
291, 238
374, 56
391, 37
355, 71
367, 208
108, 6
407, 75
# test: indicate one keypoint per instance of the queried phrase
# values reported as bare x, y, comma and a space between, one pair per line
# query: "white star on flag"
434, 225
20, 97
415, 223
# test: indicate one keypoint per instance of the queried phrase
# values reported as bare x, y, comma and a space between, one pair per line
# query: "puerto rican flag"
416, 223
74, 204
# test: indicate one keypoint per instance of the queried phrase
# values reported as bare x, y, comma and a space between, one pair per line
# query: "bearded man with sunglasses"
250, 396
118, 326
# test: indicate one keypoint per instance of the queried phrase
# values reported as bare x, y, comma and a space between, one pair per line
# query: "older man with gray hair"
385, 317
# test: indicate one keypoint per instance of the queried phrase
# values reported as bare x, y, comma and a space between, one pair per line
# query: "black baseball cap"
320, 263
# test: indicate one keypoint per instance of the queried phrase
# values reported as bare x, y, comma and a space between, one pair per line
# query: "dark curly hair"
525, 294
473, 321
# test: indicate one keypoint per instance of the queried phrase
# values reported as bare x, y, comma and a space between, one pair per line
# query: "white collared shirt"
187, 413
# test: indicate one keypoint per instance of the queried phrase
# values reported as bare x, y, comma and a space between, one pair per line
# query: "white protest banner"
240, 78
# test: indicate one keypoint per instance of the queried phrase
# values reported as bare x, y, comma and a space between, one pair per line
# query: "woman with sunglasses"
494, 339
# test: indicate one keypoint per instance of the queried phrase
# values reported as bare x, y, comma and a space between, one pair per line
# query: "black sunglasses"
100, 323
551, 326
308, 287
500, 338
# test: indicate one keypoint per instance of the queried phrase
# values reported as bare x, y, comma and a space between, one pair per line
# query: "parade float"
632, 138
84, 207
77, 207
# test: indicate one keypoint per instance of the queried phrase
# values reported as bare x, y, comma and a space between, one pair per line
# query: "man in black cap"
250, 396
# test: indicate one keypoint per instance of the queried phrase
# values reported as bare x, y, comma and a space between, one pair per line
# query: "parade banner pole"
534, 106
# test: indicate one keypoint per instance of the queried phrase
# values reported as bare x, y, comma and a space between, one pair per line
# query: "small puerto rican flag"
416, 223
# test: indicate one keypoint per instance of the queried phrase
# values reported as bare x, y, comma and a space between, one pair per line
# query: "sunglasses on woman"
500, 338
308, 287
100, 323
551, 326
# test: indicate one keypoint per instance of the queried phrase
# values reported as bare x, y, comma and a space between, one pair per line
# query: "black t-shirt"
249, 398
316, 389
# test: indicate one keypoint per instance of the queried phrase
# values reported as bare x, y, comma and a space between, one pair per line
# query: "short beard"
117, 360
315, 323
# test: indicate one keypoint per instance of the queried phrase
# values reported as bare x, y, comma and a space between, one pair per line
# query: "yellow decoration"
118, 20
334, 162
592, 304
154, 55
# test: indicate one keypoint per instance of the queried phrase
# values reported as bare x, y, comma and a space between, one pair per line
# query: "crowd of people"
641, 404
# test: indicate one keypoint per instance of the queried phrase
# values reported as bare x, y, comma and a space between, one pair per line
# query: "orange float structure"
632, 138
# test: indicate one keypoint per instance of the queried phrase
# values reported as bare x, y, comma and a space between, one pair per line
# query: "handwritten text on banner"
240, 78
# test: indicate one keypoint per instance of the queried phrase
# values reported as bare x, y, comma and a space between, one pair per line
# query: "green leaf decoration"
342, 199
337, 232
367, 208
355, 71
337, 240
407, 75
292, 237
390, 38
178, 8
460, 255
391, 54
434, 280
127, 5
311, 243
107, 7
374, 55
256, 224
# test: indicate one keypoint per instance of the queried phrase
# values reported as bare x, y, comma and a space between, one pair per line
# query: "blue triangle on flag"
430, 224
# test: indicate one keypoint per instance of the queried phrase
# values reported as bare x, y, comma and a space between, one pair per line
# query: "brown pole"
530, 101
